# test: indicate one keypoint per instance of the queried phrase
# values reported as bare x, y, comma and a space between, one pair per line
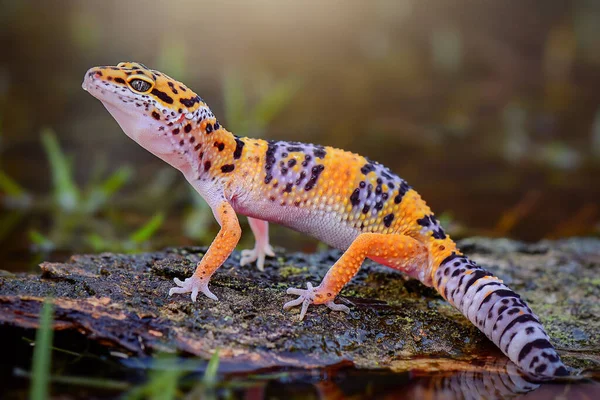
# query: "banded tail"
499, 313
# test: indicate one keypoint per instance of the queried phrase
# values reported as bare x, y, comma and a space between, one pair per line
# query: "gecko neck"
207, 146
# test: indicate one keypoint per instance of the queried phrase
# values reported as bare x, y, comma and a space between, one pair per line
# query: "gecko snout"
90, 76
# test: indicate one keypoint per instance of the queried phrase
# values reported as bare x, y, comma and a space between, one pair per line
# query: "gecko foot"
193, 285
257, 254
307, 297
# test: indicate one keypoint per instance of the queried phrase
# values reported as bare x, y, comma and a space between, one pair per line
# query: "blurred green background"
490, 109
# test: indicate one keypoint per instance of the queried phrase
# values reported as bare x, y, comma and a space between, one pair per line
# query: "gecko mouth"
106, 91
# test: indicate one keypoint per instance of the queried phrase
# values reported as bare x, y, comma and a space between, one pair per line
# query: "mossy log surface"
121, 301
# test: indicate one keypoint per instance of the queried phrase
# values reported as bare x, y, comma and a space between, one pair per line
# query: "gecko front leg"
221, 247
262, 248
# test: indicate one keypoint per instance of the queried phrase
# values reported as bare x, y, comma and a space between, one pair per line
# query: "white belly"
327, 227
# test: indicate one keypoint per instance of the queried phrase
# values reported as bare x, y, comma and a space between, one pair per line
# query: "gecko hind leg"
404, 250
262, 248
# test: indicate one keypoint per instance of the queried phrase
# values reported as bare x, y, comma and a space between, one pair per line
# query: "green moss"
289, 270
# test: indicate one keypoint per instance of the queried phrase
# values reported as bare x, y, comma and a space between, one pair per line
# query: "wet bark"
121, 301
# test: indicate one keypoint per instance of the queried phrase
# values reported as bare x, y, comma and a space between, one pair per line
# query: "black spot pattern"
372, 197
227, 168
430, 224
498, 312
316, 171
387, 220
354, 197
239, 147
189, 103
281, 163
219, 145
369, 167
320, 152
162, 95
270, 161
404, 187
172, 86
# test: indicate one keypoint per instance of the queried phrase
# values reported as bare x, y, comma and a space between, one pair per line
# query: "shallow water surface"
84, 370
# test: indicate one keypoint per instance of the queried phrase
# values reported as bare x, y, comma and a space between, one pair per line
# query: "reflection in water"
426, 378
503, 382
455, 380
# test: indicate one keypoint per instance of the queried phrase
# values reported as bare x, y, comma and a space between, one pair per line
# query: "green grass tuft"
66, 193
210, 375
144, 233
40, 371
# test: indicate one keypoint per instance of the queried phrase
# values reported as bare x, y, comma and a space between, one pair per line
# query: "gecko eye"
140, 85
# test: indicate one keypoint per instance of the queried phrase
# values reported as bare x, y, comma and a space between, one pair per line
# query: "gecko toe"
260, 262
194, 294
176, 290
192, 285
338, 307
247, 256
297, 292
178, 282
256, 254
269, 251
306, 297
305, 305
293, 303
204, 289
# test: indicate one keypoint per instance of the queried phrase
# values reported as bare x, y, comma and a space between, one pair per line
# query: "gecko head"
148, 105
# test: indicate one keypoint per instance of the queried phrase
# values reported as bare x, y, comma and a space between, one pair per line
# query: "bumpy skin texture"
341, 198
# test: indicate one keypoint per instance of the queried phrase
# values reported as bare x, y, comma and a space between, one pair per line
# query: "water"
83, 369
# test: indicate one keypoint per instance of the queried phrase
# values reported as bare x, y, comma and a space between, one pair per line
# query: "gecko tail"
500, 314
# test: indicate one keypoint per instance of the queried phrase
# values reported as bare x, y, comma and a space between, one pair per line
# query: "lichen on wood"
121, 301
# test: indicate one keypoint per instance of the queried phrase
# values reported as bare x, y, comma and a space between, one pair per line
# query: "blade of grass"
40, 372
65, 191
41, 242
99, 194
210, 375
116, 181
162, 383
96, 242
165, 385
89, 382
145, 232
209, 380
10, 187
8, 222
